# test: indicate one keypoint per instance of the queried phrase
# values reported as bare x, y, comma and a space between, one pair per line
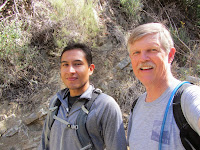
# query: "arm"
45, 129
41, 144
190, 104
199, 123
105, 124
113, 128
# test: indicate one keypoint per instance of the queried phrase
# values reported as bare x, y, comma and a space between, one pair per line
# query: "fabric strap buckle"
75, 127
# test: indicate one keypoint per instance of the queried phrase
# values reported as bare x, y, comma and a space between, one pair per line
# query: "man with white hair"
152, 123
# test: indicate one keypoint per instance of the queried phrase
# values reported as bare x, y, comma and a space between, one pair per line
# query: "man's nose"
71, 69
144, 56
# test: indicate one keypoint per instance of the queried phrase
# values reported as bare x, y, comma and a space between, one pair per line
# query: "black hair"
81, 46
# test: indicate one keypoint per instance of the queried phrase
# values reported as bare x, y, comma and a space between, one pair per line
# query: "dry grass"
42, 28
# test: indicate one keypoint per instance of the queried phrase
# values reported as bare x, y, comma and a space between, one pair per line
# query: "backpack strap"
134, 103
189, 138
53, 110
82, 131
81, 121
130, 121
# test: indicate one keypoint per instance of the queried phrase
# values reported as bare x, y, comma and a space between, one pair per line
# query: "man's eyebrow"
63, 62
78, 60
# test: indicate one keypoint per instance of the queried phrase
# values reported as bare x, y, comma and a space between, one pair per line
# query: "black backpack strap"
189, 137
130, 121
134, 103
82, 131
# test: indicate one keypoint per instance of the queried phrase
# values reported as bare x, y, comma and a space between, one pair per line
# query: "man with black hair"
104, 124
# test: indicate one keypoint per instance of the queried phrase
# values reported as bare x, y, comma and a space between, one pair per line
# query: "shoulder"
53, 99
105, 100
190, 104
59, 95
190, 99
104, 107
191, 92
139, 100
104, 103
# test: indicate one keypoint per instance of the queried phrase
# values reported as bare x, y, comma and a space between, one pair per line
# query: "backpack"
189, 138
80, 126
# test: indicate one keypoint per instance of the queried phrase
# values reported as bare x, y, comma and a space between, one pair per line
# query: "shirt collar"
86, 95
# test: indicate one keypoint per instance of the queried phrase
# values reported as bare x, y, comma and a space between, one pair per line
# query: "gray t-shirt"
146, 120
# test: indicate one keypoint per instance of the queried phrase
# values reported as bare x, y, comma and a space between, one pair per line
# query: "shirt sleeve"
190, 104
110, 117
41, 144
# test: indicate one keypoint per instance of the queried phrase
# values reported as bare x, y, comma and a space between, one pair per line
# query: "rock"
30, 146
42, 113
11, 131
34, 116
192, 79
3, 128
30, 118
124, 63
7, 123
3, 117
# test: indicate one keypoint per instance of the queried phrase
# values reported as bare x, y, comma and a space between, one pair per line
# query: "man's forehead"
77, 54
148, 40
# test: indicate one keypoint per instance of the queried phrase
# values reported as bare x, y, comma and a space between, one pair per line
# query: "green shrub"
131, 7
198, 15
77, 19
192, 9
181, 40
9, 37
14, 44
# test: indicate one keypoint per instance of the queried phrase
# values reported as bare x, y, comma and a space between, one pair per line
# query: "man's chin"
72, 87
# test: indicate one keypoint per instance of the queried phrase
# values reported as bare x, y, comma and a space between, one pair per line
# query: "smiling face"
150, 62
75, 71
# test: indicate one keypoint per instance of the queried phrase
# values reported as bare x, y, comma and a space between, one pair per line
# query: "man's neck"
155, 90
79, 91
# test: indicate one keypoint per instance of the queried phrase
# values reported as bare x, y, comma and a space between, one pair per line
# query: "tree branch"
4, 4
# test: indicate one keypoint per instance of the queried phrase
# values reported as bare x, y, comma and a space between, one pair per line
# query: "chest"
146, 126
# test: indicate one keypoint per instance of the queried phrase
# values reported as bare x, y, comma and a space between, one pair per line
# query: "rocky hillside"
33, 33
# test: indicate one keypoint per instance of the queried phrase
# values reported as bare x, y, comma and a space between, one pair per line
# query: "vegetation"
32, 34
131, 7
79, 14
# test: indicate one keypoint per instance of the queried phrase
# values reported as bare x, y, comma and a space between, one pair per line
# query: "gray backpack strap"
82, 132
53, 110
68, 124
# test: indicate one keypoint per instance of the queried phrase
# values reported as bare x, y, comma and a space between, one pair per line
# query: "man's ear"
91, 69
171, 54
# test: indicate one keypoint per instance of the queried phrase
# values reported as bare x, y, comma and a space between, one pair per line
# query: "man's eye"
153, 49
136, 52
77, 64
65, 65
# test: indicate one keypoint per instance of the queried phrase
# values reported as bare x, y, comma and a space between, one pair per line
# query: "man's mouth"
71, 78
146, 68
